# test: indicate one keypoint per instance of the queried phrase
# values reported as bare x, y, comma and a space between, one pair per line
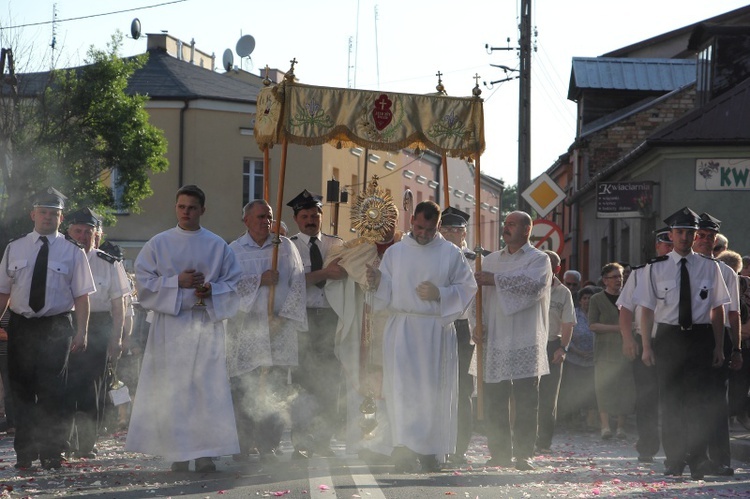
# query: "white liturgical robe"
516, 315
183, 407
420, 356
250, 343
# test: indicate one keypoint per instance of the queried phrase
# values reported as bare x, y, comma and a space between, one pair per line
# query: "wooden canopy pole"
277, 227
446, 190
266, 173
479, 333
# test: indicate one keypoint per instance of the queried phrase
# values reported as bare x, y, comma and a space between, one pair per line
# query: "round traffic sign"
546, 235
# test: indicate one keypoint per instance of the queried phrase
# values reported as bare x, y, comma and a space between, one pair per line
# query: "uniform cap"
304, 200
50, 198
709, 223
453, 217
84, 216
662, 235
112, 249
683, 219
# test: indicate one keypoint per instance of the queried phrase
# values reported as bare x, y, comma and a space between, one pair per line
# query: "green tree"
510, 199
74, 131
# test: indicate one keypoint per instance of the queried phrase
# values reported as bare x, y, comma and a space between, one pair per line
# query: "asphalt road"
580, 465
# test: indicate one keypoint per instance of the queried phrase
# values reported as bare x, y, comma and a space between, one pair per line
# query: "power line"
41, 23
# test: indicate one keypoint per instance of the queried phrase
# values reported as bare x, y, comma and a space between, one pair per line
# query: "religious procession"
379, 341
404, 346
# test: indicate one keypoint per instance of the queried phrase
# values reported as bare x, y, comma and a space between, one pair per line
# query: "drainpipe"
181, 165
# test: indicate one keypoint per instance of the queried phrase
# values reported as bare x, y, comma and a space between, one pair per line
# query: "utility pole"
524, 100
524, 107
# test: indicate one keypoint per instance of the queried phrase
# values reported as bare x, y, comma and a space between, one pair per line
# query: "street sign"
543, 194
546, 235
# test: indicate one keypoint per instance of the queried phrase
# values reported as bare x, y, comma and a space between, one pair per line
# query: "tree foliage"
74, 131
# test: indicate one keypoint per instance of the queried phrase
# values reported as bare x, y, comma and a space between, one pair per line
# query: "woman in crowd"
613, 373
577, 395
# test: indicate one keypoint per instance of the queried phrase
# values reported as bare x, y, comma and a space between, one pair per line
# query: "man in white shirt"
684, 293
319, 371
43, 276
87, 370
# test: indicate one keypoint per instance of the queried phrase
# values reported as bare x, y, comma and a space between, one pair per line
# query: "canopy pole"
446, 189
478, 332
266, 173
277, 226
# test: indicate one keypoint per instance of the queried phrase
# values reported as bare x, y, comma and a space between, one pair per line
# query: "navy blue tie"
686, 307
39, 277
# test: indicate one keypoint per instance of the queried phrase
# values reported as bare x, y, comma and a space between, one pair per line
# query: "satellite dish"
245, 46
228, 59
135, 29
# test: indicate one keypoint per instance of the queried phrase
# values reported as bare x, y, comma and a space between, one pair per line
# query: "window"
252, 180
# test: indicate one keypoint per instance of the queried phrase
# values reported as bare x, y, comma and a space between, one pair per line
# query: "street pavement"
580, 464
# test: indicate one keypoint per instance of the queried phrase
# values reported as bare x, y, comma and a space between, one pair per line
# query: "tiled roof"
165, 77
609, 73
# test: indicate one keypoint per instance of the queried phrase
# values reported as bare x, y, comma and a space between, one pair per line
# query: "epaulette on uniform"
293, 238
708, 257
659, 259
637, 267
19, 237
334, 237
73, 241
470, 255
106, 257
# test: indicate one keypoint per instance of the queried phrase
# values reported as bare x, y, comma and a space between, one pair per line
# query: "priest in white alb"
188, 277
262, 347
515, 310
425, 284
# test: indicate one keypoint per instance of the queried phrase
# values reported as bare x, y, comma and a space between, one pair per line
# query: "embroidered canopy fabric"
385, 121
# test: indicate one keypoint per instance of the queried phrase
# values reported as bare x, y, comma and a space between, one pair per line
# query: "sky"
391, 45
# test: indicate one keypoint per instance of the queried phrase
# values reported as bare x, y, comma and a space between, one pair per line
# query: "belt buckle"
689, 328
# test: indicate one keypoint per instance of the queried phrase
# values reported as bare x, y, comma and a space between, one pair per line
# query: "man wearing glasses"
572, 281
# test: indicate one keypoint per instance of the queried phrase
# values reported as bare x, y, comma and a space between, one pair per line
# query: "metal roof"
646, 75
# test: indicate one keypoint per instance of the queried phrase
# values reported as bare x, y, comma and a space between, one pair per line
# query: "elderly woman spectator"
577, 395
613, 373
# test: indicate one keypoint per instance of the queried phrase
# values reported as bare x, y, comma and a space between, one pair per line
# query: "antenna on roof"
245, 46
135, 29
228, 60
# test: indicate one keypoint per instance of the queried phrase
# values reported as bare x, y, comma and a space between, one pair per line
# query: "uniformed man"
319, 370
87, 370
685, 294
646, 383
43, 276
453, 228
718, 444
